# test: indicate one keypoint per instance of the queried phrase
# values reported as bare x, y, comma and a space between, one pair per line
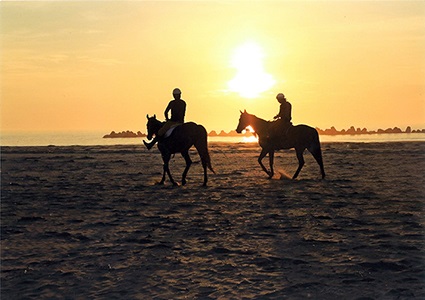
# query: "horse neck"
157, 126
260, 126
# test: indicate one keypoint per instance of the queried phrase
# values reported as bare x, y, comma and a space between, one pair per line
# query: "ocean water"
96, 138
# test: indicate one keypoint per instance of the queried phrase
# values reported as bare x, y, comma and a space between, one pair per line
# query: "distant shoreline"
331, 131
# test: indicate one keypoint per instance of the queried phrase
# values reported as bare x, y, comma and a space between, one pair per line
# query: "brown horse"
181, 140
300, 137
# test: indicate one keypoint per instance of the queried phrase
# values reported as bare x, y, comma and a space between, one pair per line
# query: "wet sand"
89, 222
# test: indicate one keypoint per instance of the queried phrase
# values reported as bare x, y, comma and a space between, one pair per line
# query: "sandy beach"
89, 222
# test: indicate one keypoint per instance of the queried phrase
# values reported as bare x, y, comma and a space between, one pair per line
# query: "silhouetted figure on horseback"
178, 111
270, 138
283, 123
181, 140
175, 136
285, 109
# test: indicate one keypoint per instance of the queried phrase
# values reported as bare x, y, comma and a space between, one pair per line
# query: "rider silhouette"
285, 109
178, 111
284, 115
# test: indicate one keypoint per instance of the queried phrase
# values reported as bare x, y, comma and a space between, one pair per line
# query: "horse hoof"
184, 182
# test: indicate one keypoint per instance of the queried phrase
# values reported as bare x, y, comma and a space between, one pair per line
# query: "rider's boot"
151, 144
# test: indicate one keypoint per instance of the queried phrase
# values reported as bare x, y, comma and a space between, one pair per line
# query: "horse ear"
147, 116
244, 111
154, 116
240, 111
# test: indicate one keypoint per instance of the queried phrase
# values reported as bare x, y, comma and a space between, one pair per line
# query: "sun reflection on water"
249, 139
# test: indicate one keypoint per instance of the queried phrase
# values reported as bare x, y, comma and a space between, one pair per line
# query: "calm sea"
96, 138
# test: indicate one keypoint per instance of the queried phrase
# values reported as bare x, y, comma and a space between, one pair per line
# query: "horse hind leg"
301, 162
317, 154
205, 158
201, 146
206, 162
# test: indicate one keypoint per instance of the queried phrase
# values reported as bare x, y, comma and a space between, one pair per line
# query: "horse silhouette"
271, 138
181, 140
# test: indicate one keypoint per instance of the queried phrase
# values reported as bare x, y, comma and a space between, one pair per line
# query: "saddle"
168, 128
170, 131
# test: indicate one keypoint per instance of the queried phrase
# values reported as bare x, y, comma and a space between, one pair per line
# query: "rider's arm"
280, 114
166, 111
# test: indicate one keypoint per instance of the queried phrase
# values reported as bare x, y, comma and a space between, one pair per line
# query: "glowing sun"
251, 79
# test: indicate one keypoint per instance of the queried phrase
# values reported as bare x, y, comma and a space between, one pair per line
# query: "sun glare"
250, 139
251, 79
250, 129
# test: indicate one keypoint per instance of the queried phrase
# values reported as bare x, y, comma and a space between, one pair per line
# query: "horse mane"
268, 123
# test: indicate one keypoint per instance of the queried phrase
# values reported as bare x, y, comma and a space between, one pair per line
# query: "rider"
178, 111
284, 115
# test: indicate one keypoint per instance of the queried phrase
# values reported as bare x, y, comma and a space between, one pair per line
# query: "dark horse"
181, 139
300, 137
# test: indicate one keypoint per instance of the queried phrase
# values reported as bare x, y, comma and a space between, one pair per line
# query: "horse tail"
316, 151
201, 145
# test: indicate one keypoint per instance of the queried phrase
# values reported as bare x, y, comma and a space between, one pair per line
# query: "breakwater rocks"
353, 131
124, 134
331, 131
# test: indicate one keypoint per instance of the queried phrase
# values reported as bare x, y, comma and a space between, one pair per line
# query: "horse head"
153, 126
244, 121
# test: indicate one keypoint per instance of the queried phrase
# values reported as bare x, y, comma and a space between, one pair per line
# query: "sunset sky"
104, 65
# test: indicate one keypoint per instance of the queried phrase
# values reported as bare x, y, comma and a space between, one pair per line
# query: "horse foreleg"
260, 158
300, 162
164, 170
166, 158
188, 163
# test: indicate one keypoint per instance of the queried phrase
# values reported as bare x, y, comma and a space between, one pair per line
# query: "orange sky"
105, 65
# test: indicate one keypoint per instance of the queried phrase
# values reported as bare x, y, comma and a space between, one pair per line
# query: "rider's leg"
285, 129
150, 144
160, 133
